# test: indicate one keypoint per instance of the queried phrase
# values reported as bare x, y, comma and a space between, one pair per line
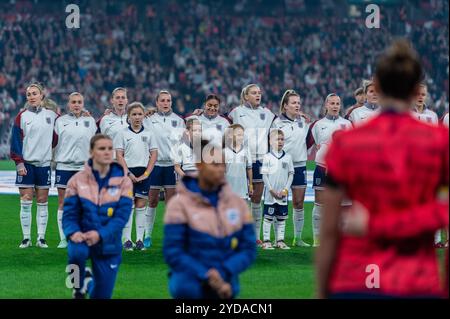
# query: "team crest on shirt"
174, 123
343, 126
113, 191
429, 119
49, 120
262, 116
284, 165
219, 127
233, 216
86, 123
144, 139
300, 124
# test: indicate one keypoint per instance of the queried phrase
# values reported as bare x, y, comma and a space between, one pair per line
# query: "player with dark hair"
360, 98
208, 232
395, 167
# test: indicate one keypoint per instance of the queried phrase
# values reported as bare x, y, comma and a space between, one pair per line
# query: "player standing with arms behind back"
394, 167
72, 135
295, 131
31, 150
256, 121
320, 134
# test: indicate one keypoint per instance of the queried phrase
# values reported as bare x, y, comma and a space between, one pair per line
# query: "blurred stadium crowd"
193, 48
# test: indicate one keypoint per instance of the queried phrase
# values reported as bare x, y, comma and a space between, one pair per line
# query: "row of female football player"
149, 149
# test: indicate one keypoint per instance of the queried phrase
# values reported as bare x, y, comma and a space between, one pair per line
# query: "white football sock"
42, 219
275, 229
26, 218
140, 223
298, 219
60, 228
437, 237
128, 227
257, 216
267, 225
316, 215
281, 229
151, 214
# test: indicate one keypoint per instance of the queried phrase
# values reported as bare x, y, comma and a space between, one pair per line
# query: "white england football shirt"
257, 123
237, 162
276, 167
213, 128
364, 113
73, 136
427, 116
136, 146
295, 133
185, 157
167, 129
321, 133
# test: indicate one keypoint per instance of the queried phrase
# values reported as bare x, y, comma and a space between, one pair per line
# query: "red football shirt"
392, 164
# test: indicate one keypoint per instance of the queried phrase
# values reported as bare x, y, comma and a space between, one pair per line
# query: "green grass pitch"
40, 273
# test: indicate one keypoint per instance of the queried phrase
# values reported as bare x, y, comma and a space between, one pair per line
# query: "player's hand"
77, 237
275, 194
225, 291
92, 237
107, 112
306, 117
197, 112
21, 170
132, 177
355, 220
150, 111
250, 190
86, 113
214, 279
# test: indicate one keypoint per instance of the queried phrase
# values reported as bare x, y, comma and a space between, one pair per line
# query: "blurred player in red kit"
394, 168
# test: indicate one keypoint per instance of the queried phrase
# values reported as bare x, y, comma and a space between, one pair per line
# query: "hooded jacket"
199, 235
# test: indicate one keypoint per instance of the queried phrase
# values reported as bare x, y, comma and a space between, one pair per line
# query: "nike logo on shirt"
65, 125
129, 139
323, 128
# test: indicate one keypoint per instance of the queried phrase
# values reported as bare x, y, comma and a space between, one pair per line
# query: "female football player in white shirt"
420, 110
116, 119
31, 150
213, 124
167, 128
320, 134
184, 157
72, 135
137, 152
256, 121
238, 162
295, 131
